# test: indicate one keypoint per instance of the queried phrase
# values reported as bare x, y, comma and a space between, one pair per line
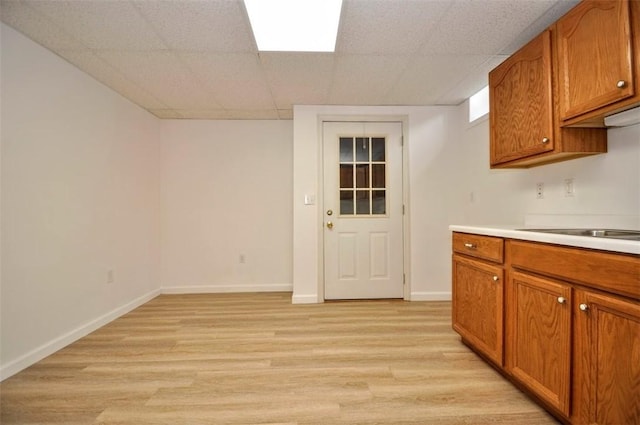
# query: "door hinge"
402, 209
404, 279
401, 140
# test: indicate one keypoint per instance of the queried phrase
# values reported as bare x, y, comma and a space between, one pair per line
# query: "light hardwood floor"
258, 359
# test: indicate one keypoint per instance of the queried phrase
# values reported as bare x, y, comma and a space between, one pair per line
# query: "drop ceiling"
197, 59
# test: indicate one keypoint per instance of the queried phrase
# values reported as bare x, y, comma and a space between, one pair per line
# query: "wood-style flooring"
258, 359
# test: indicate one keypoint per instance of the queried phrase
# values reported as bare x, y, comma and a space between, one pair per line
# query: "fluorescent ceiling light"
295, 25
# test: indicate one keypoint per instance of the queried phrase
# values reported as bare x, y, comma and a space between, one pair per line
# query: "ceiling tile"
102, 71
483, 27
298, 78
200, 25
164, 75
470, 84
166, 113
387, 27
539, 25
365, 79
236, 80
36, 26
198, 59
101, 24
205, 114
428, 78
254, 114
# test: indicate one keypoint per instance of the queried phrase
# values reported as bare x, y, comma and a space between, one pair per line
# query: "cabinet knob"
470, 245
584, 307
496, 278
545, 140
621, 84
562, 300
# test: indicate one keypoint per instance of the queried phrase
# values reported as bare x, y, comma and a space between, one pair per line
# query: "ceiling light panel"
295, 25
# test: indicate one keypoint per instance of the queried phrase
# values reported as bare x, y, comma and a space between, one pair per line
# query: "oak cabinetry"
477, 308
571, 324
606, 382
524, 129
598, 60
539, 337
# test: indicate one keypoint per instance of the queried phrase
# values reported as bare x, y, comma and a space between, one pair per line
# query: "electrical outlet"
110, 277
540, 190
569, 188
242, 259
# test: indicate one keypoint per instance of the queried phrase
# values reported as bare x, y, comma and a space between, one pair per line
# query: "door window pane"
346, 176
362, 149
377, 149
362, 176
346, 202
346, 149
378, 176
378, 202
362, 202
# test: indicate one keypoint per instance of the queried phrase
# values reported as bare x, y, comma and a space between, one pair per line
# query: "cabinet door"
520, 97
594, 56
539, 337
477, 305
606, 360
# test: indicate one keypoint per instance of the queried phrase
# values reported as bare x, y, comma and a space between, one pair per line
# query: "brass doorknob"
329, 225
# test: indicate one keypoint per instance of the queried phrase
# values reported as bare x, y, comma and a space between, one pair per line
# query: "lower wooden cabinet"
563, 323
538, 348
477, 305
606, 378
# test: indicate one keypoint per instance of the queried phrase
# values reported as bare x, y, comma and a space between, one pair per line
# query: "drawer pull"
621, 84
495, 278
545, 140
470, 245
584, 307
562, 300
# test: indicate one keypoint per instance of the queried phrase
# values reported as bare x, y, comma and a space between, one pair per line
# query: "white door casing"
363, 209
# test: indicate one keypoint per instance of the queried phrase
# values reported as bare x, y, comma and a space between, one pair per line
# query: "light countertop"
512, 232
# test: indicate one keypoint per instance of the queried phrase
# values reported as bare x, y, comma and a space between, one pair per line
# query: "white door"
363, 241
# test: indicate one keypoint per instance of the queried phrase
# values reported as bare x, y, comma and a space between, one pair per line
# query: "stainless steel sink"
630, 235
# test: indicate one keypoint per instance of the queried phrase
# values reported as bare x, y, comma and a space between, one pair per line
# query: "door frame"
403, 120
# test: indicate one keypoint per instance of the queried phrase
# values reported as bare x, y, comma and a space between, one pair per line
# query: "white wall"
80, 197
226, 193
450, 182
607, 187
432, 152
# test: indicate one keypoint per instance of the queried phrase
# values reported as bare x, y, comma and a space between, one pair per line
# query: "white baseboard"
305, 299
222, 289
56, 344
431, 296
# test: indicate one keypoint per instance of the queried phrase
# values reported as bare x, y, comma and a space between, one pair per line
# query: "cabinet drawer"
616, 273
486, 247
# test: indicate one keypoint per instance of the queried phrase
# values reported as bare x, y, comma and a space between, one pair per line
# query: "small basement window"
479, 104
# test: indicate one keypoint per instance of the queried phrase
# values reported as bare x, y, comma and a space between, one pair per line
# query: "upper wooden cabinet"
525, 130
520, 97
598, 60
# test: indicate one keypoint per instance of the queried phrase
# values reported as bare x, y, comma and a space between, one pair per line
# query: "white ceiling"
198, 59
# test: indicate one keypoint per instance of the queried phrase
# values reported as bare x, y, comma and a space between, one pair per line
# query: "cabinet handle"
584, 307
470, 245
562, 300
621, 84
545, 140
496, 278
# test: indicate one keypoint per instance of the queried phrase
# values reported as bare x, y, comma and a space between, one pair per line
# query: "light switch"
309, 199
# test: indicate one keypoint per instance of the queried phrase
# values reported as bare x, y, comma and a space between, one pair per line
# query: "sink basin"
630, 235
